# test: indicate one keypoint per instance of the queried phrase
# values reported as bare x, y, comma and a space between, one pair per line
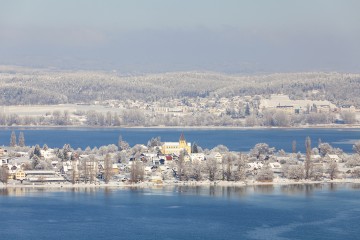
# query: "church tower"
183, 144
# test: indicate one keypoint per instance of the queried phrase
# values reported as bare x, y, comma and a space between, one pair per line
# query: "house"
2, 152
276, 167
197, 157
333, 157
168, 159
348, 108
43, 176
149, 156
286, 108
54, 164
176, 147
115, 169
255, 165
156, 161
20, 175
215, 155
323, 108
156, 179
4, 161
48, 154
282, 159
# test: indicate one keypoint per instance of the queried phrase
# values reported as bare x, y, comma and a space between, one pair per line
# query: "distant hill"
41, 86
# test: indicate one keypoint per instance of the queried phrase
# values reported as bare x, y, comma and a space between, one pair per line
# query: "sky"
137, 36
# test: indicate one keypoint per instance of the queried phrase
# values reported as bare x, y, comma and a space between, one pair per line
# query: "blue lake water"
318, 212
234, 139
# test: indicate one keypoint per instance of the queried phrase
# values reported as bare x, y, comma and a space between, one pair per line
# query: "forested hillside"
34, 86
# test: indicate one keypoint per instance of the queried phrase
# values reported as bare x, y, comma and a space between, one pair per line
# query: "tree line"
49, 87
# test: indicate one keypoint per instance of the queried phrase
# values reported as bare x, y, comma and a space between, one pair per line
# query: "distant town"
42, 97
276, 110
180, 162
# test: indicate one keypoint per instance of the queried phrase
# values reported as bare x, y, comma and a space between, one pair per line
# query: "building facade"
176, 147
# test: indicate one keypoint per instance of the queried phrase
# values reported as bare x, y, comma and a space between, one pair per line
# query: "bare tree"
4, 174
265, 174
332, 169
74, 172
281, 118
196, 170
108, 173
325, 148
211, 167
84, 169
356, 173
181, 167
240, 167
353, 160
137, 171
294, 146
348, 117
294, 172
123, 145
261, 151
318, 172
227, 167
92, 166
307, 164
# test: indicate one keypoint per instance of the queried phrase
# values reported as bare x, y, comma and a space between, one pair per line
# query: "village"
179, 162
275, 110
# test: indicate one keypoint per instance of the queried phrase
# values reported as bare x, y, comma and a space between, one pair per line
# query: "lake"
322, 211
234, 139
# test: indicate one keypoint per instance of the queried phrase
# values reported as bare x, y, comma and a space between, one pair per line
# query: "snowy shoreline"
69, 127
119, 185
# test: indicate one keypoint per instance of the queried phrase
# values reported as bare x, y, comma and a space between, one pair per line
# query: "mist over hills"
45, 86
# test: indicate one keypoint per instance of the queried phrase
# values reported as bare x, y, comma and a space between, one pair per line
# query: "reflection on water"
306, 190
295, 189
355, 186
264, 189
212, 191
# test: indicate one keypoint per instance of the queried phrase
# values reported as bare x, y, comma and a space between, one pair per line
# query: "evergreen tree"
37, 151
247, 110
194, 148
66, 150
13, 139
21, 139
35, 162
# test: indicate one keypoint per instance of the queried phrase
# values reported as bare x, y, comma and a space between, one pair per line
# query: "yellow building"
176, 147
19, 174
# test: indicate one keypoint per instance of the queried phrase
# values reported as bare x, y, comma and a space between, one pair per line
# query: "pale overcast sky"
171, 35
